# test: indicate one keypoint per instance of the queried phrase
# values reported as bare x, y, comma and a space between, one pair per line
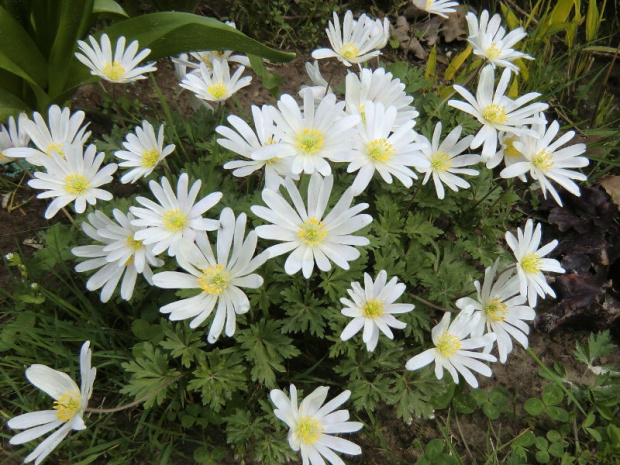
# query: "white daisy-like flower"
13, 135
530, 262
119, 256
76, 177
70, 402
357, 42
489, 40
120, 66
243, 140
219, 278
143, 152
445, 160
453, 349
64, 128
381, 146
313, 136
320, 87
501, 310
312, 425
546, 161
372, 307
379, 87
437, 7
496, 112
507, 152
308, 233
176, 218
215, 86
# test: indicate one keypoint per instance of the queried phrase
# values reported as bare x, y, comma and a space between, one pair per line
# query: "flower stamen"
68, 405
312, 232
214, 280
174, 220
448, 345
308, 430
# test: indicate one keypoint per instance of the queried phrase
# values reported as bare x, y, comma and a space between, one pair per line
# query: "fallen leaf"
402, 33
455, 27
611, 184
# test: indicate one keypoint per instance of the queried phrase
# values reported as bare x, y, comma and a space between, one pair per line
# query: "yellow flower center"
218, 90
531, 263
373, 309
495, 113
362, 111
150, 158
312, 232
309, 140
55, 147
349, 51
214, 280
68, 405
448, 345
429, 3
380, 150
76, 184
493, 52
114, 71
308, 430
272, 160
2, 155
174, 220
496, 310
543, 160
218, 53
134, 243
441, 161
510, 150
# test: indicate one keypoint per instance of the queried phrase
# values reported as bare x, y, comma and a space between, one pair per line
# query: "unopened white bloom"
546, 161
308, 233
530, 261
13, 135
452, 349
76, 177
489, 40
143, 152
501, 310
312, 425
119, 66
119, 254
445, 161
357, 42
320, 87
437, 7
219, 278
372, 307
176, 218
70, 402
496, 112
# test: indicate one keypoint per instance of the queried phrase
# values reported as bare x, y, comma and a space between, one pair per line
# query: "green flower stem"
429, 304
415, 193
116, 108
503, 194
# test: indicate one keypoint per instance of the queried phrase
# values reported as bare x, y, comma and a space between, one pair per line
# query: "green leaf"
241, 428
420, 229
366, 393
554, 435
109, 7
182, 342
556, 449
434, 449
479, 396
304, 311
592, 20
145, 331
498, 397
524, 440
552, 395
542, 456
491, 411
464, 403
599, 345
534, 406
595, 434
558, 413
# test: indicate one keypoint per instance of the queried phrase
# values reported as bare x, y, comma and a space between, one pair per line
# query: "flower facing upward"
120, 66
437, 7
530, 261
357, 42
452, 349
311, 235
12, 136
373, 308
143, 152
70, 403
219, 278
312, 425
176, 218
489, 40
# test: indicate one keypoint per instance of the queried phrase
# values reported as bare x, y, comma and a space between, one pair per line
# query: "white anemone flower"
120, 66
437, 7
218, 278
311, 137
507, 152
143, 152
490, 41
372, 307
215, 86
357, 42
381, 146
501, 310
70, 402
119, 255
320, 87
244, 141
308, 233
312, 425
64, 128
13, 135
546, 161
496, 112
453, 349
530, 261
379, 87
176, 218
445, 160
76, 177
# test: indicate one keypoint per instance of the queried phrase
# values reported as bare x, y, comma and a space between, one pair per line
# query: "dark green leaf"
534, 406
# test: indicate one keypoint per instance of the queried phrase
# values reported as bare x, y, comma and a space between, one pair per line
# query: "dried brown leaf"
611, 184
